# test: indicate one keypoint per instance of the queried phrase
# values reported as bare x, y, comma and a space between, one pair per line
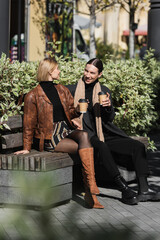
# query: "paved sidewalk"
74, 221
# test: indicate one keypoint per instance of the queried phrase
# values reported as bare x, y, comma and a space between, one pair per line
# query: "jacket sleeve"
29, 120
107, 113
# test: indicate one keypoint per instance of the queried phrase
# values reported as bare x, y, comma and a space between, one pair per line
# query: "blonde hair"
45, 67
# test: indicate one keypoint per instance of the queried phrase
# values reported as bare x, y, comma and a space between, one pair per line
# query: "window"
80, 44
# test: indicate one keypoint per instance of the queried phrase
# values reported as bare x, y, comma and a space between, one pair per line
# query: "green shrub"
153, 67
16, 79
103, 49
133, 84
133, 93
71, 71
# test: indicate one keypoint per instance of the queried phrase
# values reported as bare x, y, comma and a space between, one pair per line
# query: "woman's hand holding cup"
104, 99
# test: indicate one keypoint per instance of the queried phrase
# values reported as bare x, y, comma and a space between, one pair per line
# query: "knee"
101, 147
84, 135
139, 145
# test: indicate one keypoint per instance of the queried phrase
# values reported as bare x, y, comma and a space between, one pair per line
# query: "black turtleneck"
89, 93
52, 94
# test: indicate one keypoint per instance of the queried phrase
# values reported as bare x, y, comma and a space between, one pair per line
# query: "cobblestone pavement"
74, 221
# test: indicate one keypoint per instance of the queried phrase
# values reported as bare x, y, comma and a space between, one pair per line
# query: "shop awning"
140, 31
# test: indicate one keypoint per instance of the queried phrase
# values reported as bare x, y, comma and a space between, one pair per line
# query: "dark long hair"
97, 63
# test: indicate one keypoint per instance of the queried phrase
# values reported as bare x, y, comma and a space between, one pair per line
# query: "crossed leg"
78, 139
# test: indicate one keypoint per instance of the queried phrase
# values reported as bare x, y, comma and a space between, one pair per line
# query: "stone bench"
56, 168
20, 174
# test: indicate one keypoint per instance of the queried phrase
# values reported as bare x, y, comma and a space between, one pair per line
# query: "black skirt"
61, 130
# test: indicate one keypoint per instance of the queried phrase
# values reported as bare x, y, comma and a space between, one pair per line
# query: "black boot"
128, 195
145, 193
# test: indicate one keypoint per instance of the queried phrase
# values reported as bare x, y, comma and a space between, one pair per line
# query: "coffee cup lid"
82, 100
101, 93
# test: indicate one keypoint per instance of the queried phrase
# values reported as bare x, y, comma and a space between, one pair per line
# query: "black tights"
78, 139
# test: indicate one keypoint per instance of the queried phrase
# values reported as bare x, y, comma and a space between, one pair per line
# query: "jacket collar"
41, 93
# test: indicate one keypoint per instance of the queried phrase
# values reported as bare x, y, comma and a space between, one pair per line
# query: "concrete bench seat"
38, 173
56, 169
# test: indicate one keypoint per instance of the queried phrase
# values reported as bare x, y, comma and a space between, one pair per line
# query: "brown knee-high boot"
91, 189
87, 159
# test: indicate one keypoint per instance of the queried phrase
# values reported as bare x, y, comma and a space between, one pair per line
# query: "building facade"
27, 40
114, 21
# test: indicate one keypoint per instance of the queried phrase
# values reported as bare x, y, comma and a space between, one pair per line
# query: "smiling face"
91, 74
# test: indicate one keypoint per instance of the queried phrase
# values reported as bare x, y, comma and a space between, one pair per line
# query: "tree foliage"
132, 5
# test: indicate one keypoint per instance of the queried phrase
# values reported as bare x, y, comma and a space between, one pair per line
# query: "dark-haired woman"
49, 113
108, 139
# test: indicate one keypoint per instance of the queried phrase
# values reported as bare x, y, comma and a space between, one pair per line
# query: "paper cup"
102, 97
83, 104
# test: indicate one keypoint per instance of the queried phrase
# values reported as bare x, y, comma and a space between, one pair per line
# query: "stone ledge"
17, 196
35, 161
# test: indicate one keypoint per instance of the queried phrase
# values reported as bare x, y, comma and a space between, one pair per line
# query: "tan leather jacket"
38, 114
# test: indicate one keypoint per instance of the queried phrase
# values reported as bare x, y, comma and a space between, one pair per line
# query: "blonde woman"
48, 114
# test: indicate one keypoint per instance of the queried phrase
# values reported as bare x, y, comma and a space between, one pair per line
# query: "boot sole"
145, 198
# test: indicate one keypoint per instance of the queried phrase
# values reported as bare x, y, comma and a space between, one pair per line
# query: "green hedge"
16, 79
134, 85
133, 93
